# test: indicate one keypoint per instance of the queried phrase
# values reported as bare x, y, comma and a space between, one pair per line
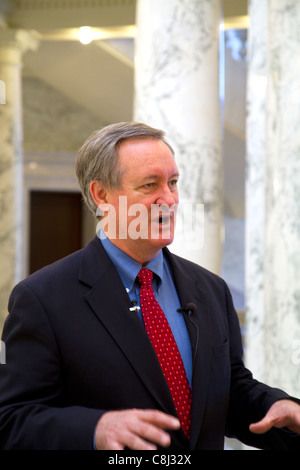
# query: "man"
81, 370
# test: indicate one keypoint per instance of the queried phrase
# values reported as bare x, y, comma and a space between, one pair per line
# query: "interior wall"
51, 121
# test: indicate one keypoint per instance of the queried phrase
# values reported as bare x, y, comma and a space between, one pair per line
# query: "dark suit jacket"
74, 350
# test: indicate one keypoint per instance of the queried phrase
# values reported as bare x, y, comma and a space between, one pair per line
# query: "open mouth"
164, 219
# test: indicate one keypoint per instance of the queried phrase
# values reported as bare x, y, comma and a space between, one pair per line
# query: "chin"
162, 242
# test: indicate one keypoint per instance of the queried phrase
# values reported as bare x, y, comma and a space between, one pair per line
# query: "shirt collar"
127, 267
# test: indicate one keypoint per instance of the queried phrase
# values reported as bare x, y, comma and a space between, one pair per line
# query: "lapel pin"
135, 307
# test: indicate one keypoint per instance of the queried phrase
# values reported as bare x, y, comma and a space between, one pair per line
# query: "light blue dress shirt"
164, 291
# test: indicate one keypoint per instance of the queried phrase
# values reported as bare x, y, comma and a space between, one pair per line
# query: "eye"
173, 184
148, 186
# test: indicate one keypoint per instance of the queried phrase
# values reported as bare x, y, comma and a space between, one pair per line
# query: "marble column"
177, 90
12, 46
273, 185
255, 187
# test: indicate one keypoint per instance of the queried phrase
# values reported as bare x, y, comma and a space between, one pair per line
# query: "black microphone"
189, 309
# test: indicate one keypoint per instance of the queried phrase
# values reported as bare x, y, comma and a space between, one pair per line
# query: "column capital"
15, 42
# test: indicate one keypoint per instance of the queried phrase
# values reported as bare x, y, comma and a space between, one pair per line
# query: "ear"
98, 192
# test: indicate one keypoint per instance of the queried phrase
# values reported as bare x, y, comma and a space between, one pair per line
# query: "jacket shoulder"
65, 269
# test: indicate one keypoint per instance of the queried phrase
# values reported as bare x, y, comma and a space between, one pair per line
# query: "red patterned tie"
165, 347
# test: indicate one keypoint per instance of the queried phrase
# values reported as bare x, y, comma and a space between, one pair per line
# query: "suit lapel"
189, 290
111, 305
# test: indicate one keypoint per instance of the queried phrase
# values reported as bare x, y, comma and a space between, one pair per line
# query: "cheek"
112, 198
176, 198
137, 203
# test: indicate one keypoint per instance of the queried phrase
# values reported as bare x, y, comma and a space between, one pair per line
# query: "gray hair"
97, 159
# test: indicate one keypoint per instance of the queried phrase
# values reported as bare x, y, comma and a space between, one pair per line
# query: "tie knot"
145, 277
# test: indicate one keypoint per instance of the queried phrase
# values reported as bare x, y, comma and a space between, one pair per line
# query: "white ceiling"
88, 74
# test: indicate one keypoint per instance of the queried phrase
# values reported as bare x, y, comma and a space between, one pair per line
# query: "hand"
283, 413
135, 429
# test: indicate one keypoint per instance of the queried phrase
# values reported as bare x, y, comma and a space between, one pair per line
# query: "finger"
150, 425
111, 445
267, 423
153, 434
135, 441
160, 419
262, 426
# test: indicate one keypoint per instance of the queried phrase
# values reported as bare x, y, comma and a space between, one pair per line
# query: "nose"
167, 197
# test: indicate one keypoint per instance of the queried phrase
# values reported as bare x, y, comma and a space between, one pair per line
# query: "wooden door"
55, 226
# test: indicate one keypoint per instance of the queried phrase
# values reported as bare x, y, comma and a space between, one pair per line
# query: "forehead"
145, 153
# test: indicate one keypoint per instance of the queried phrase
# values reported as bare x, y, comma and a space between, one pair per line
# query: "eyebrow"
155, 177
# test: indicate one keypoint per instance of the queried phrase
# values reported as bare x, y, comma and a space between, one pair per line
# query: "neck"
135, 251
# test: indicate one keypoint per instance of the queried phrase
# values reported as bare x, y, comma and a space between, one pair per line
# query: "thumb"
263, 425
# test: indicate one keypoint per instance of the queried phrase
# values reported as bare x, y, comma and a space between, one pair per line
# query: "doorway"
55, 226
